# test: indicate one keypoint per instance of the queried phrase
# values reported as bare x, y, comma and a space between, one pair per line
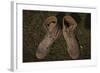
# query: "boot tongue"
51, 26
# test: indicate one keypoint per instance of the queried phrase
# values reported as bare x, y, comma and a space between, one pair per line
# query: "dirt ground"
34, 32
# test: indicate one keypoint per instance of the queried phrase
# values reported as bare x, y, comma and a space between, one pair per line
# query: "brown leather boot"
69, 25
52, 34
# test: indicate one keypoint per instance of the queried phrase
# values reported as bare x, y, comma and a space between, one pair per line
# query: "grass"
34, 32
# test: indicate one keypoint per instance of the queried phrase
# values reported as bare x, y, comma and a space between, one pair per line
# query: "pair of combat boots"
53, 32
